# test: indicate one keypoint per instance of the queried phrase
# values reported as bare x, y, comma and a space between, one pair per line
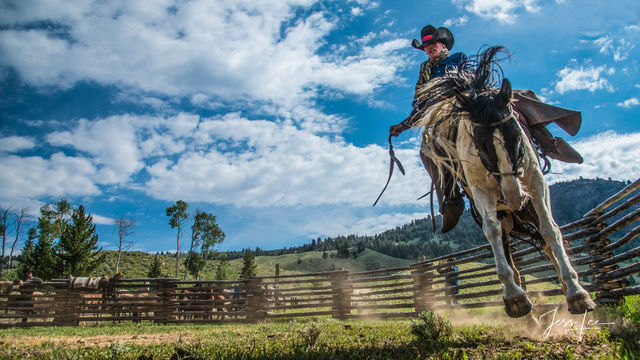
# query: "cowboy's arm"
407, 123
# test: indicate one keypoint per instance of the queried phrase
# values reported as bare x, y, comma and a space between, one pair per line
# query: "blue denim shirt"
451, 62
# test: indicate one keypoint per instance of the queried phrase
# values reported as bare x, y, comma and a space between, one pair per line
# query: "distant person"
28, 278
451, 280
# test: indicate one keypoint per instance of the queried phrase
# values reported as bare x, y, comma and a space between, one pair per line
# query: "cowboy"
436, 43
535, 115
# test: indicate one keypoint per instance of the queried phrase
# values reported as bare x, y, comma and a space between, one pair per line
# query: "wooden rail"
403, 291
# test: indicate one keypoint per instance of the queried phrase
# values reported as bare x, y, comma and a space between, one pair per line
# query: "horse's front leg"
515, 300
578, 299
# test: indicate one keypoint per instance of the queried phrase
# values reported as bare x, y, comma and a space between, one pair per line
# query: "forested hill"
570, 200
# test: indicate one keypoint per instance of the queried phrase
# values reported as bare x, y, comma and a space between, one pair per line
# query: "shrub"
430, 326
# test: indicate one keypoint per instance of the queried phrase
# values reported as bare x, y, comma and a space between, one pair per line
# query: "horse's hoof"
580, 303
517, 306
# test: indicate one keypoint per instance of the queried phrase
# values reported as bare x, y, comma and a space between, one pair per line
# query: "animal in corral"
29, 302
203, 301
472, 131
142, 301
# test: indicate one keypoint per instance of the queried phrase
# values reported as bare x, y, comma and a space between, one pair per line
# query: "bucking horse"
472, 130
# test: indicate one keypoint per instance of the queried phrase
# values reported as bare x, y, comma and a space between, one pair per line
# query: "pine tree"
194, 264
45, 263
224, 271
155, 271
249, 268
27, 258
78, 245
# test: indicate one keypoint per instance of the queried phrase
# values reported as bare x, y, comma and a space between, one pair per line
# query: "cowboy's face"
434, 49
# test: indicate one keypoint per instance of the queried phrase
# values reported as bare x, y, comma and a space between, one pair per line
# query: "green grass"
325, 339
472, 337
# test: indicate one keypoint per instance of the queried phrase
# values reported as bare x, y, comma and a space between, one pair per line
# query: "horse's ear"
504, 97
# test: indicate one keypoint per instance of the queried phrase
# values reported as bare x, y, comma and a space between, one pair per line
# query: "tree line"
63, 240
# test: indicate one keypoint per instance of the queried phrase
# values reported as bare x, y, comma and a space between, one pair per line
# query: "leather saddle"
538, 114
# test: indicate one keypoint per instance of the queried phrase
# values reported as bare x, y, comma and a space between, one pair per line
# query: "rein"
506, 118
392, 161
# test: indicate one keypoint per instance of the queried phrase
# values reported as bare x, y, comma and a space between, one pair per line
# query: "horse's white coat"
460, 156
486, 192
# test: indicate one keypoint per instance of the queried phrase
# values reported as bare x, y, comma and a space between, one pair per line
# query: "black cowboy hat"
430, 34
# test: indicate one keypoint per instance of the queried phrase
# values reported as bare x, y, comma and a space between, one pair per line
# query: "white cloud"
365, 225
111, 144
619, 49
504, 11
605, 155
12, 144
223, 160
583, 78
460, 21
261, 163
35, 177
230, 49
629, 103
356, 11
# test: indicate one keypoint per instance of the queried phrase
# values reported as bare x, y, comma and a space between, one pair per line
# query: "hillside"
570, 200
392, 248
136, 264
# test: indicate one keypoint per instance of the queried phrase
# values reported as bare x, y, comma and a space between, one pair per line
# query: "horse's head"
497, 137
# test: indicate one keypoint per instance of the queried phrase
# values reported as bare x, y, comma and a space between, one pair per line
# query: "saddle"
536, 115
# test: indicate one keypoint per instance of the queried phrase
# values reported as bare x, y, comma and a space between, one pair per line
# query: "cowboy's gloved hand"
397, 129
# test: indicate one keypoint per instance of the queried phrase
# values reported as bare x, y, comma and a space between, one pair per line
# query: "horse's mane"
439, 113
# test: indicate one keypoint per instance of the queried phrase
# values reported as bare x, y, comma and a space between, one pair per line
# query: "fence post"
604, 297
422, 283
256, 300
342, 291
167, 305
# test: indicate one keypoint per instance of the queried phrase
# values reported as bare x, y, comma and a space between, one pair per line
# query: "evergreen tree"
224, 271
155, 271
27, 258
78, 247
194, 264
249, 267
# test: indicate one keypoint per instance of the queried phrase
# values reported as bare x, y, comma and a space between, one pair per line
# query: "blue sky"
273, 114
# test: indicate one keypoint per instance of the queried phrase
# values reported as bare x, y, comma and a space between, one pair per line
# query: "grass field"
473, 337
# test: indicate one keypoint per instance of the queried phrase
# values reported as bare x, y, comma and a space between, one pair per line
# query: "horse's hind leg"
516, 302
578, 299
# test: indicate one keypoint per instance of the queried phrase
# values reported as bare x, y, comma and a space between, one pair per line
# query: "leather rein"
393, 160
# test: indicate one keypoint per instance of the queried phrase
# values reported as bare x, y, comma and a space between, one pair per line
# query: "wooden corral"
593, 244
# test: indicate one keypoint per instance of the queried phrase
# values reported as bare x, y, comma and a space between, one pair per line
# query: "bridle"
495, 124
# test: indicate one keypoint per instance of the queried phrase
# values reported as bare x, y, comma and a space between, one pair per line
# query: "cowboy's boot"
451, 209
555, 147
564, 152
450, 200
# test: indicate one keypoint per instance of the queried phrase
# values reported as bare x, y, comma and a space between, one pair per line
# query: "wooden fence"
593, 243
